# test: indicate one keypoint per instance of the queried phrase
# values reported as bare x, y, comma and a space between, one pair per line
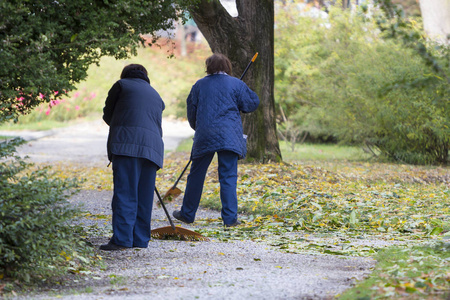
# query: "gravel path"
180, 269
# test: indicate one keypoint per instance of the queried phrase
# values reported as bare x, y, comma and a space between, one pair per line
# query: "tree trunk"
436, 19
240, 38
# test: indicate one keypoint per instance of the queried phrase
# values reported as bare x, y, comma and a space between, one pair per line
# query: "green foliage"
340, 76
36, 238
419, 272
426, 134
47, 46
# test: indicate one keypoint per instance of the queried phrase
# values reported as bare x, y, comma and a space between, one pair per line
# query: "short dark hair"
218, 63
132, 67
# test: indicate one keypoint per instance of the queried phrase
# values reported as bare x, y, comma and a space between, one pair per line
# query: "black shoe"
237, 223
177, 215
112, 247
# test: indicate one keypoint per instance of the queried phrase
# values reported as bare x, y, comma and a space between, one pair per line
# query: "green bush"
343, 77
37, 240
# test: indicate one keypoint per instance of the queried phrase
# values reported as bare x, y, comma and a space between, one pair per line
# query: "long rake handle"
249, 64
182, 173
165, 209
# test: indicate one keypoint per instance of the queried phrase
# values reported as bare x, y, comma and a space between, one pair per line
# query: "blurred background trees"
357, 72
365, 77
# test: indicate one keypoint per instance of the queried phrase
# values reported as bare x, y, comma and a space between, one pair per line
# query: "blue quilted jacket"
213, 110
133, 111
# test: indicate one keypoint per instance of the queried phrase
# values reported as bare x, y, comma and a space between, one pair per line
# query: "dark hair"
132, 67
218, 63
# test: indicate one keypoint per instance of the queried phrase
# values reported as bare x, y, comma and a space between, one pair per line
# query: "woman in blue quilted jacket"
133, 111
213, 110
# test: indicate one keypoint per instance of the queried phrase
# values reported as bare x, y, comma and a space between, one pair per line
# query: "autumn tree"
240, 38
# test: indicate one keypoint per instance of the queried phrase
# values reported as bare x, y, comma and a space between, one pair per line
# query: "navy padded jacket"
213, 110
133, 111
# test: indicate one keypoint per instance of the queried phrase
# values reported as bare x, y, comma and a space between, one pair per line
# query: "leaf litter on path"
289, 205
339, 208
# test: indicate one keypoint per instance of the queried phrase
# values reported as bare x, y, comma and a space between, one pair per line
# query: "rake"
174, 191
172, 232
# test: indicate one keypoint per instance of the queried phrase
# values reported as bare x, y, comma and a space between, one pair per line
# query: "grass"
412, 273
185, 146
322, 152
308, 152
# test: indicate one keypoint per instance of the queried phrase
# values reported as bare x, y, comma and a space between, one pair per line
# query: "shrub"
37, 239
346, 77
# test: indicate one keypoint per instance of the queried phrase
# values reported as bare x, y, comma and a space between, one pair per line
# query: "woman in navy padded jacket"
213, 110
133, 111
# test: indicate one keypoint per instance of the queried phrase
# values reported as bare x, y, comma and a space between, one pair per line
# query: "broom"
171, 232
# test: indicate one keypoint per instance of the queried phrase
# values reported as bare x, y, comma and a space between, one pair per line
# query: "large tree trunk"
240, 38
436, 19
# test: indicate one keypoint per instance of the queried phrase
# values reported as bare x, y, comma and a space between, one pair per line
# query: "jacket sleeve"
110, 102
191, 105
248, 100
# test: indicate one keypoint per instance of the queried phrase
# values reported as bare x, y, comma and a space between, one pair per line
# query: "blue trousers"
227, 178
132, 203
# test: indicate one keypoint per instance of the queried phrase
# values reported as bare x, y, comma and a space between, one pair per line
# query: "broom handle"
165, 209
